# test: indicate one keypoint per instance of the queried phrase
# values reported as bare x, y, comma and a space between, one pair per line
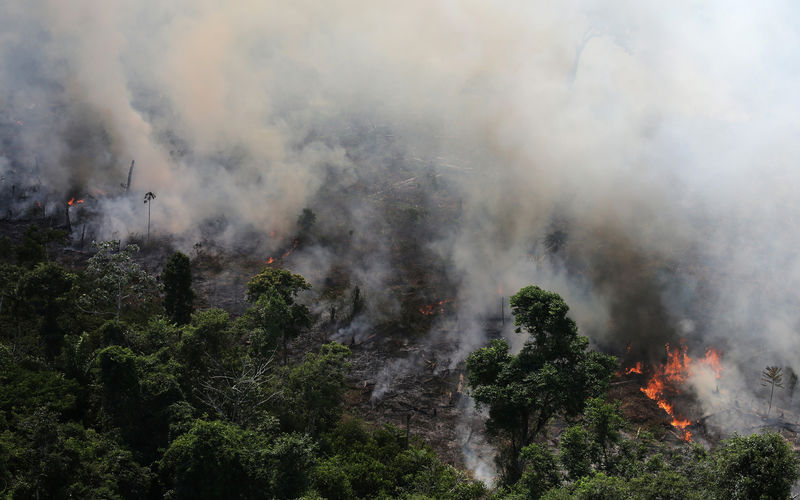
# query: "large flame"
667, 377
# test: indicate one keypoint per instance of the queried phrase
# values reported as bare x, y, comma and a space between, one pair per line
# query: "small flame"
431, 309
289, 252
70, 202
272, 234
271, 260
635, 369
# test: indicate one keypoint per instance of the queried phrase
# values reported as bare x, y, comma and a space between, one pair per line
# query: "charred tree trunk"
130, 173
408, 428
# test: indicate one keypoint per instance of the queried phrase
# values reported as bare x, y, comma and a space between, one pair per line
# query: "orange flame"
431, 309
712, 360
675, 371
289, 252
635, 369
270, 260
70, 202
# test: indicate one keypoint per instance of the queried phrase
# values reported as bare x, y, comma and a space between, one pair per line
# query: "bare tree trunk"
119, 298
148, 223
130, 173
771, 391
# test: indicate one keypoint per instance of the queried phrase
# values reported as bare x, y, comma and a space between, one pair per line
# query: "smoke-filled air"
637, 158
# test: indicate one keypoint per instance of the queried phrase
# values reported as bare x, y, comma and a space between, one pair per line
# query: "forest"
114, 383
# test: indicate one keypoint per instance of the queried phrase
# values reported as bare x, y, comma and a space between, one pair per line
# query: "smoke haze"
638, 160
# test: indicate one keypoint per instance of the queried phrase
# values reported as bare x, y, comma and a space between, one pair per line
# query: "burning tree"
554, 373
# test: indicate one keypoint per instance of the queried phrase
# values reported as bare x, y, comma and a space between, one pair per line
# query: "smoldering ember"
419, 249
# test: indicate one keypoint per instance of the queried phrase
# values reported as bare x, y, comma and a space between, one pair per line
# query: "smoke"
635, 159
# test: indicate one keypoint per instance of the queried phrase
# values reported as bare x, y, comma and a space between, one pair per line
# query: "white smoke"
637, 159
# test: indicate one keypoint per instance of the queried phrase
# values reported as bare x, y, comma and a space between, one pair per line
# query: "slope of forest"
120, 382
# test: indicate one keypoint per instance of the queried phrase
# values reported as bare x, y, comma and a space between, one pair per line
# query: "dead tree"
130, 173
239, 396
148, 200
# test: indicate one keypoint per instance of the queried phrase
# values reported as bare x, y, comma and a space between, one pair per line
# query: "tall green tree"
554, 373
276, 314
756, 466
314, 390
178, 293
215, 460
43, 295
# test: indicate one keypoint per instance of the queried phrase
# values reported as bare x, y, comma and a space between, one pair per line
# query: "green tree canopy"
315, 389
756, 466
554, 373
178, 294
286, 283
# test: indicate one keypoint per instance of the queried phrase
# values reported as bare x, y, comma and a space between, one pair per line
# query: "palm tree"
148, 198
772, 376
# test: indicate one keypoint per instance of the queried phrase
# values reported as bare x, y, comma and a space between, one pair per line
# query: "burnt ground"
404, 368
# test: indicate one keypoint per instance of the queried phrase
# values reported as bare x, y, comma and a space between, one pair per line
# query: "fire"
289, 252
676, 371
272, 234
635, 369
270, 260
712, 360
431, 309
73, 201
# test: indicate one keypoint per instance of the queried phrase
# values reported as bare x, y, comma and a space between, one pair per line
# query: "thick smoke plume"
638, 160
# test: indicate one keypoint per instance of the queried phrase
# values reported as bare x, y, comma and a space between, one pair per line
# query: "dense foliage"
554, 375
106, 391
110, 387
